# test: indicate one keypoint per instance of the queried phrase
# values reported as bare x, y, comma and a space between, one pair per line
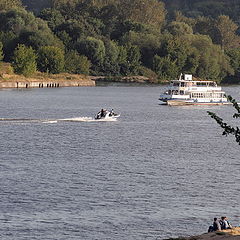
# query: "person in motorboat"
111, 113
101, 114
106, 114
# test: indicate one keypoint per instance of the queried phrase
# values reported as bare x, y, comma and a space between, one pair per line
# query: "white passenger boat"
186, 91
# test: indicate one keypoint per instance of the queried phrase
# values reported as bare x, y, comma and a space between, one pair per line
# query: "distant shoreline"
43, 80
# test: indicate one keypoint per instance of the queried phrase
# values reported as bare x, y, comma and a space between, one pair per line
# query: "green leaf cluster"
76, 64
9, 4
227, 128
24, 60
50, 59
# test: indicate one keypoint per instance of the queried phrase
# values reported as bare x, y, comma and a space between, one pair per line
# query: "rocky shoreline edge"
229, 234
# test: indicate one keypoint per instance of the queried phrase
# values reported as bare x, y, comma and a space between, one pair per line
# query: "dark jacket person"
216, 225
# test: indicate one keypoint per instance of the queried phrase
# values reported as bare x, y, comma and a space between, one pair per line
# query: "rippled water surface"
157, 172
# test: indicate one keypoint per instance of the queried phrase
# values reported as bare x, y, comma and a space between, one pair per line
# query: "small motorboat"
105, 114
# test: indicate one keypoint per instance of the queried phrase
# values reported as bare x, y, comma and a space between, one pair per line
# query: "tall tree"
53, 17
213, 63
143, 11
9, 4
179, 28
234, 55
133, 58
24, 60
50, 59
226, 36
75, 63
165, 67
93, 48
19, 26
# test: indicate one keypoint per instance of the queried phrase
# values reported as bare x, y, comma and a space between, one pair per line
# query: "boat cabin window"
198, 95
212, 84
202, 84
181, 92
175, 84
182, 84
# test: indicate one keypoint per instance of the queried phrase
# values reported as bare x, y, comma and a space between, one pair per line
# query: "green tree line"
121, 37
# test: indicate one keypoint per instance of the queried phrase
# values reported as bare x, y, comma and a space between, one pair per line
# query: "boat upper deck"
193, 83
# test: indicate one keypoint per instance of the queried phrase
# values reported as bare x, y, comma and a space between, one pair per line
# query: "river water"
156, 172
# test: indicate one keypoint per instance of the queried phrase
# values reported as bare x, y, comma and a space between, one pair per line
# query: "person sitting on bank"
225, 223
215, 226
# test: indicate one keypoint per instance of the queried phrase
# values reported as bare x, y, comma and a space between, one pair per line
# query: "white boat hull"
184, 103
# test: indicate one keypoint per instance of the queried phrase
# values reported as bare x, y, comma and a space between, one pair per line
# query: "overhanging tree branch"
228, 129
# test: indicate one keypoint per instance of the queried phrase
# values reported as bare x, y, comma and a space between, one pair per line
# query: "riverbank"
230, 234
45, 80
8, 79
42, 80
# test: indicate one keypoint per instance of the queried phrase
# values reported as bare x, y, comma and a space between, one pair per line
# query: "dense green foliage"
9, 4
75, 63
127, 37
210, 8
24, 60
50, 59
36, 5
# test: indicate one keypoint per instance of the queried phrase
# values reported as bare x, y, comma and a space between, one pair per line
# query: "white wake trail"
81, 119
52, 121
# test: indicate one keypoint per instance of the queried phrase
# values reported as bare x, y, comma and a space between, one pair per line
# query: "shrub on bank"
24, 60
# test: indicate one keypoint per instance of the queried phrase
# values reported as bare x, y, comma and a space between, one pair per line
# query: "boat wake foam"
19, 120
87, 119
49, 121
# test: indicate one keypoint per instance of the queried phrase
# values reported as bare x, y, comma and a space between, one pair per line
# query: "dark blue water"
157, 172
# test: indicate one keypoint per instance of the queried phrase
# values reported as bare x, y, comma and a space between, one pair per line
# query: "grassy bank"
8, 79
